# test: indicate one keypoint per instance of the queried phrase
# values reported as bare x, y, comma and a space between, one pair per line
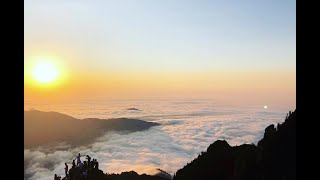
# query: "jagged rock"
273, 159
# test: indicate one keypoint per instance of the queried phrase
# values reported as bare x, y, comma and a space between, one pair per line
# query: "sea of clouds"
187, 128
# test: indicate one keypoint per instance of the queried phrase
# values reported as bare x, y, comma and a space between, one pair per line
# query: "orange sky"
243, 53
264, 87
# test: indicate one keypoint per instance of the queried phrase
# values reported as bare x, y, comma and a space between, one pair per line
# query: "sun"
45, 72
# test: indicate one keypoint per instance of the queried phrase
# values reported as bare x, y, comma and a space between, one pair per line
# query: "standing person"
81, 166
92, 166
89, 158
78, 159
85, 166
89, 162
97, 164
66, 169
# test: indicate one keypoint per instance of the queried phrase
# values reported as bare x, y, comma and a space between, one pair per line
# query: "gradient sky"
237, 49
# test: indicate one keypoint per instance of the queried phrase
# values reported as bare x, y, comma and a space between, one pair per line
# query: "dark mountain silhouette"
42, 128
274, 158
76, 173
133, 176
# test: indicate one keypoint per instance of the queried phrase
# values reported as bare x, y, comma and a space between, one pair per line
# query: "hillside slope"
49, 127
274, 158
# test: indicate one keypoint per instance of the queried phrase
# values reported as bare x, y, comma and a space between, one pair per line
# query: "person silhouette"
66, 169
85, 166
89, 158
89, 162
97, 164
57, 177
78, 159
91, 166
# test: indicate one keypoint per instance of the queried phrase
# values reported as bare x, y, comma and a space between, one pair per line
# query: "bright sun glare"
45, 72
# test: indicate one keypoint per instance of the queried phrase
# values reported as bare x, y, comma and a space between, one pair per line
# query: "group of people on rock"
81, 170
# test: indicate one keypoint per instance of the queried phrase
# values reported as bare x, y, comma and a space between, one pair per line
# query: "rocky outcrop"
273, 159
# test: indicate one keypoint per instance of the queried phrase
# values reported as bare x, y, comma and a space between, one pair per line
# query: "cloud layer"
179, 139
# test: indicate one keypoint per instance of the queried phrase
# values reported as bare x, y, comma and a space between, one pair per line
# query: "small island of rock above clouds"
133, 109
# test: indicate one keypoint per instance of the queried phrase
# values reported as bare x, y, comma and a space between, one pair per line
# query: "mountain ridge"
273, 158
41, 128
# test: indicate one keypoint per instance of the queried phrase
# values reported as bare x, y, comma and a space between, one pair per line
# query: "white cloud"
170, 146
